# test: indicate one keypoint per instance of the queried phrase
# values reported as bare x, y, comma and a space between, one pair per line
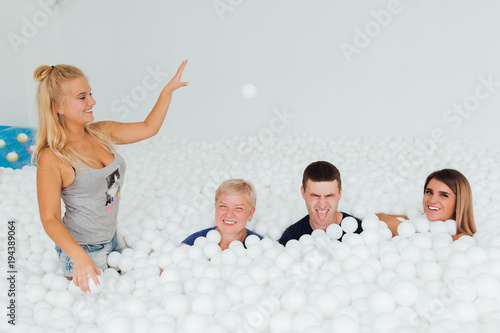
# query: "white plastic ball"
126, 263
118, 324
421, 224
251, 294
451, 227
459, 259
35, 293
194, 323
72, 288
381, 301
47, 280
406, 229
281, 322
344, 324
211, 249
249, 90
229, 257
385, 234
293, 299
141, 245
438, 227
304, 321
359, 211
204, 304
134, 307
370, 223
349, 224
114, 259
213, 236
141, 324
411, 254
274, 232
487, 285
284, 260
222, 303
386, 322
428, 271
59, 283
371, 236
421, 241
180, 254
390, 259
259, 274
157, 244
317, 233
150, 234
252, 240
195, 253
478, 255
367, 273
38, 246
405, 293
406, 270
50, 265
334, 231
490, 326
177, 305
206, 286
95, 289
167, 211
327, 303
127, 252
151, 271
465, 311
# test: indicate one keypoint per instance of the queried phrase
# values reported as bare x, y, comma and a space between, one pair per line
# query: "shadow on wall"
16, 146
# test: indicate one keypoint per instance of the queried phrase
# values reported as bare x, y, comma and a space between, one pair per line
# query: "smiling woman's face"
439, 201
78, 102
232, 213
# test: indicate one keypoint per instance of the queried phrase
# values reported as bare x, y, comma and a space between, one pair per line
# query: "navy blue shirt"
203, 233
303, 227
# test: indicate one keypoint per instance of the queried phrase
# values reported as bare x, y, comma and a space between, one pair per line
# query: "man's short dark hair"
321, 171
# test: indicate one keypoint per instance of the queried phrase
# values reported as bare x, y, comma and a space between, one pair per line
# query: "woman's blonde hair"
464, 215
238, 186
51, 128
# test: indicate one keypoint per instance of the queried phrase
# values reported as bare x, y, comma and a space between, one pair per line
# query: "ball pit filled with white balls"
420, 281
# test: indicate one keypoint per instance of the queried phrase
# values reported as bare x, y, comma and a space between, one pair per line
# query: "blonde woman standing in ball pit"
77, 162
447, 196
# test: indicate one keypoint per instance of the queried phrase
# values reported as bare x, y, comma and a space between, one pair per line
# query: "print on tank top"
113, 192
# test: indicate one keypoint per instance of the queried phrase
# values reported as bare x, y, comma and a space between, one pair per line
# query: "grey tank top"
92, 202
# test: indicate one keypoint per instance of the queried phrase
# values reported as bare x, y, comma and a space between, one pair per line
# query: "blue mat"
9, 135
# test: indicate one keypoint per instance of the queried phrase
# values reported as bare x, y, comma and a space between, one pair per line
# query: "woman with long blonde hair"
77, 161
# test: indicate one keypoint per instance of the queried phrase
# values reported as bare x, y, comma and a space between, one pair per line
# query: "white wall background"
410, 70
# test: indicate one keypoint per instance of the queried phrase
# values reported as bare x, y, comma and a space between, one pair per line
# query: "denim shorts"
98, 253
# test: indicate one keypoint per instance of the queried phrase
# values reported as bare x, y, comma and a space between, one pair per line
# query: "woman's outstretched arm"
124, 133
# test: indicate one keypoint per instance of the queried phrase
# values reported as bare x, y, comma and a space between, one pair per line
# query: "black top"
303, 227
